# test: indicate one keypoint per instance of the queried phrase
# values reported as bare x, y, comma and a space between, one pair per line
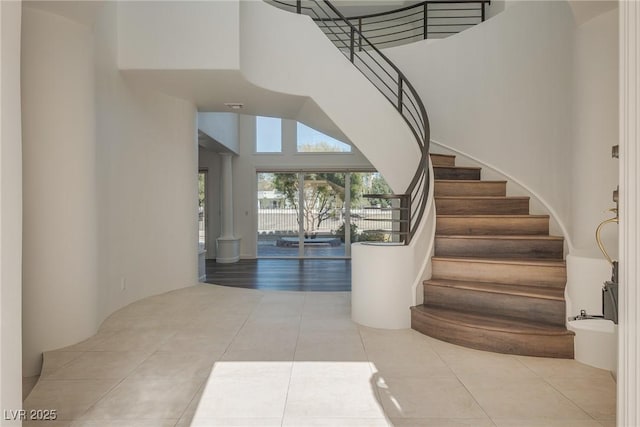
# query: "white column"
629, 274
228, 250
347, 214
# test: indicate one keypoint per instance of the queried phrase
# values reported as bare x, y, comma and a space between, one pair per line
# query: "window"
312, 141
268, 135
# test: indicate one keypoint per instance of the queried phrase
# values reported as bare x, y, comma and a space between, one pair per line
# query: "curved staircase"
498, 276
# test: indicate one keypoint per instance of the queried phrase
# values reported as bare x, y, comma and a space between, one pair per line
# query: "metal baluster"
400, 94
353, 42
425, 24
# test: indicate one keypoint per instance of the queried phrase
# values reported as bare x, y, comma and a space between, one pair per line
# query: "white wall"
223, 127
500, 92
10, 209
110, 183
178, 35
594, 172
147, 182
595, 130
59, 149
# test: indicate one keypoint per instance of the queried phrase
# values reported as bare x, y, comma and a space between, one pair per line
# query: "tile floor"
210, 355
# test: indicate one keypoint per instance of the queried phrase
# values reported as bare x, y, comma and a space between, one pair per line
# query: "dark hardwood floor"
331, 275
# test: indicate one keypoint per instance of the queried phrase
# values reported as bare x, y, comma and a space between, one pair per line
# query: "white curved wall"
500, 92
288, 53
110, 183
59, 149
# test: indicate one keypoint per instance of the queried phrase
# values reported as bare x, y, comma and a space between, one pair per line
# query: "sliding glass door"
308, 223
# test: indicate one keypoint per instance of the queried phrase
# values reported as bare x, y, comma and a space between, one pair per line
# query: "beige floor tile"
442, 422
427, 398
70, 398
488, 365
354, 370
334, 422
245, 390
234, 422
565, 368
100, 365
28, 383
124, 422
322, 396
545, 423
176, 364
595, 395
402, 355
145, 398
312, 323
212, 344
330, 345
56, 423
251, 369
263, 344
409, 365
136, 340
260, 354
54, 360
273, 322
522, 399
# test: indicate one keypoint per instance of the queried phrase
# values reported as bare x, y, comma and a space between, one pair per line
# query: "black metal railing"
426, 20
394, 85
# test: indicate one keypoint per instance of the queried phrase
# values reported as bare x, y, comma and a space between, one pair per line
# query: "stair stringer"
287, 53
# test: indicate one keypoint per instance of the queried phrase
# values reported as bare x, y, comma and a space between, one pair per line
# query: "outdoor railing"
409, 207
285, 220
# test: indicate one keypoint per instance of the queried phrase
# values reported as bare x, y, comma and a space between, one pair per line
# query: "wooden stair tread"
466, 181
482, 197
512, 261
506, 216
491, 323
442, 156
498, 288
499, 237
474, 168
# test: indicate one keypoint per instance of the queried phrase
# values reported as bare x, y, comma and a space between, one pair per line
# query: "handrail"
395, 86
428, 19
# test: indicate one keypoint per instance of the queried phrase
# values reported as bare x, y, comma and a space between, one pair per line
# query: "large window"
268, 135
324, 218
312, 141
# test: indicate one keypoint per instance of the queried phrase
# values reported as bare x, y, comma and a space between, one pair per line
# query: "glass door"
278, 218
309, 223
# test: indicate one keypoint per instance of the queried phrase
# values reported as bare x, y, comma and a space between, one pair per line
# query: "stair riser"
492, 226
482, 207
532, 275
498, 248
442, 160
479, 188
455, 173
540, 310
560, 346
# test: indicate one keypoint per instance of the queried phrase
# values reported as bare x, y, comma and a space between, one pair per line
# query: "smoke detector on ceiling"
234, 105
